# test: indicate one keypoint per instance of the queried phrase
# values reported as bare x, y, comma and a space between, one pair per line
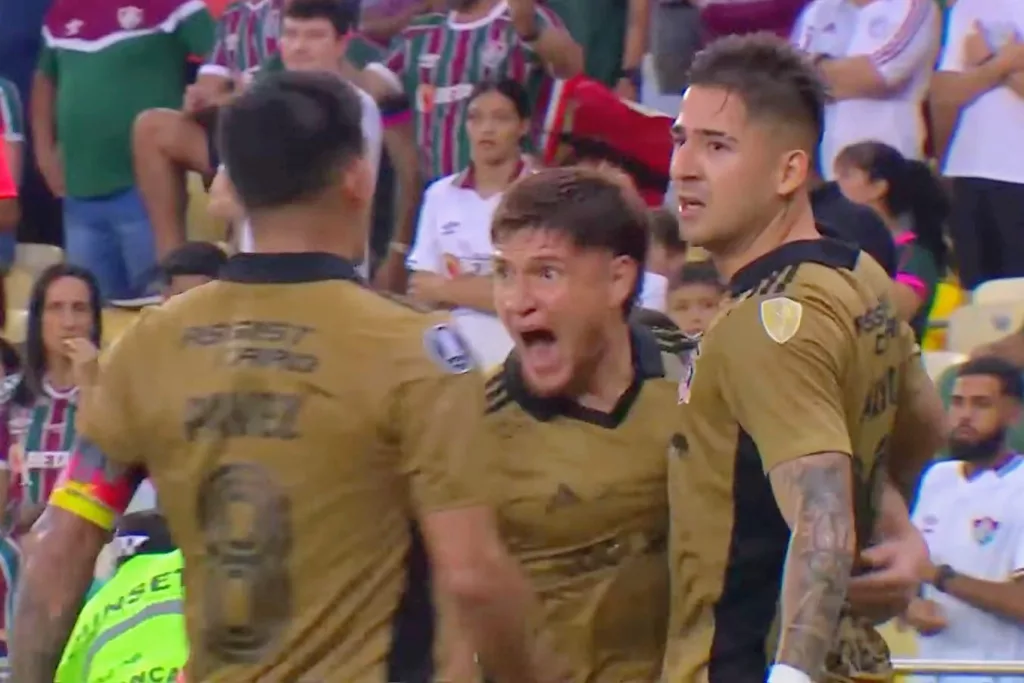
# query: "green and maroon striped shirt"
435, 62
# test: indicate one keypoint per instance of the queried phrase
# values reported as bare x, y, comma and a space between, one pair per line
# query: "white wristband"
783, 673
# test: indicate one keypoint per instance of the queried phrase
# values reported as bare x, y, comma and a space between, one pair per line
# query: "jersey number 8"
246, 524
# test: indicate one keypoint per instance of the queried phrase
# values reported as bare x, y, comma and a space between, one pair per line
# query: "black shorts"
207, 120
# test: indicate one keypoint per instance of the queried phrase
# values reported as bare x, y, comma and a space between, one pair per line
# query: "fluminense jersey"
12, 112
37, 437
436, 62
247, 34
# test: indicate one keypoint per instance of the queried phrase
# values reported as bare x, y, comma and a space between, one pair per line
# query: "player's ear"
793, 172
357, 182
625, 273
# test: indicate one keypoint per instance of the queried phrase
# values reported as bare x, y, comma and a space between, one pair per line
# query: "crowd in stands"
108, 123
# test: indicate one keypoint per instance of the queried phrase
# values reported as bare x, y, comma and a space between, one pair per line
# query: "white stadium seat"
936, 362
976, 324
1003, 290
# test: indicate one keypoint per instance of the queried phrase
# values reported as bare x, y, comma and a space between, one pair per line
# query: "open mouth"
689, 206
539, 350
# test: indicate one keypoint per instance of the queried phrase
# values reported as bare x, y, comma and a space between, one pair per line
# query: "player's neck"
60, 372
613, 373
290, 231
490, 179
793, 223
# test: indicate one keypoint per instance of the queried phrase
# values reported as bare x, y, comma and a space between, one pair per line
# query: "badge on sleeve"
780, 317
447, 349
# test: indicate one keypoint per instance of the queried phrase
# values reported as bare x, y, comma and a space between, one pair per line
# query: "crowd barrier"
956, 667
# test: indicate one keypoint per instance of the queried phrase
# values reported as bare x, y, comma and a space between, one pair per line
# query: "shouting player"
582, 415
801, 378
298, 418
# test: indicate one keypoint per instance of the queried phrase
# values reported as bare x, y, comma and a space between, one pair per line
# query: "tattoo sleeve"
815, 494
59, 557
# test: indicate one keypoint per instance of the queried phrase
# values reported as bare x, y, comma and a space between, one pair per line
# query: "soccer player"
782, 469
298, 419
582, 414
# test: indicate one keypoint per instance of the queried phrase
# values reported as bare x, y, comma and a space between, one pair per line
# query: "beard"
983, 449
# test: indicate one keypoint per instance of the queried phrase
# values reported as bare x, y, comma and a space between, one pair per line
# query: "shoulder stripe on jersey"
777, 282
671, 340
915, 19
496, 394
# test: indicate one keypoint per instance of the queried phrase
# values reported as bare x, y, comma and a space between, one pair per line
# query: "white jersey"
989, 138
454, 238
976, 526
901, 38
373, 133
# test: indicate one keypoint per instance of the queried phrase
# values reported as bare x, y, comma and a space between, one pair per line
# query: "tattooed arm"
814, 494
57, 569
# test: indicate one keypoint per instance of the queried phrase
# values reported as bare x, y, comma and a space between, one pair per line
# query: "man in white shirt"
451, 255
314, 37
978, 104
971, 514
876, 57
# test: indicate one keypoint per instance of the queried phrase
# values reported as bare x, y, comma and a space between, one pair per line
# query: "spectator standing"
10, 214
613, 36
907, 196
100, 67
451, 258
969, 511
876, 57
167, 142
12, 138
675, 39
978, 104
737, 17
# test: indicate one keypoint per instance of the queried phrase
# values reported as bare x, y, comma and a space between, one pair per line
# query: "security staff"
134, 626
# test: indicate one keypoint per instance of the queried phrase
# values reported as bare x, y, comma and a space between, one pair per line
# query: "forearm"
893, 515
819, 503
41, 109
635, 46
852, 78
555, 47
401, 148
1003, 599
1015, 82
469, 291
56, 573
10, 214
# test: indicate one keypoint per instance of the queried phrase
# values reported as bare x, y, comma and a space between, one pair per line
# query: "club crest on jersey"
448, 350
984, 530
780, 318
129, 17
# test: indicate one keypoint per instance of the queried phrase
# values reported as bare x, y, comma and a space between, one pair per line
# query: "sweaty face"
693, 307
979, 415
857, 186
310, 45
556, 300
67, 313
494, 129
729, 171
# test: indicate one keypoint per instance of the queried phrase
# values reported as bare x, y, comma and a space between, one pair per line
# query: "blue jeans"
112, 237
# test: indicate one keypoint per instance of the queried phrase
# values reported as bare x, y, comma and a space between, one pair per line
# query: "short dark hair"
10, 359
343, 14
1009, 376
511, 89
149, 533
700, 273
595, 208
194, 258
772, 78
665, 230
286, 139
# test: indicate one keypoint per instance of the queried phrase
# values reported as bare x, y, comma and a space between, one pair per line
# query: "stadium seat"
18, 287
976, 324
35, 258
17, 326
936, 362
1003, 290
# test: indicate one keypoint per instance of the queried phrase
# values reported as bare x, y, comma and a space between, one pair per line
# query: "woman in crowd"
38, 405
913, 205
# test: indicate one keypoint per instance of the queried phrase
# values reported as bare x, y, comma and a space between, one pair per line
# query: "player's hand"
427, 288
51, 167
926, 617
976, 47
84, 357
894, 570
625, 89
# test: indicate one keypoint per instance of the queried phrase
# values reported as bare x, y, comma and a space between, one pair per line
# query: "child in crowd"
696, 297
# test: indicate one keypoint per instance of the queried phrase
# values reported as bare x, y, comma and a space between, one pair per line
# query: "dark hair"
10, 359
772, 78
342, 14
700, 273
913, 190
665, 230
511, 89
149, 529
286, 139
30, 387
1010, 382
194, 258
595, 208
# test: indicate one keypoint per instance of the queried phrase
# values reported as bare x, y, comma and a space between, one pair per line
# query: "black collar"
284, 269
646, 362
827, 252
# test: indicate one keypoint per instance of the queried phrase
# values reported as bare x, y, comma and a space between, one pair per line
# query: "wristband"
943, 574
399, 248
783, 673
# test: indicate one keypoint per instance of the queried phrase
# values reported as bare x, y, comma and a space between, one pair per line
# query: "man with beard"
970, 512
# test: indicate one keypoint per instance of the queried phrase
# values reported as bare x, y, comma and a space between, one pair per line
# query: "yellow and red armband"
94, 488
